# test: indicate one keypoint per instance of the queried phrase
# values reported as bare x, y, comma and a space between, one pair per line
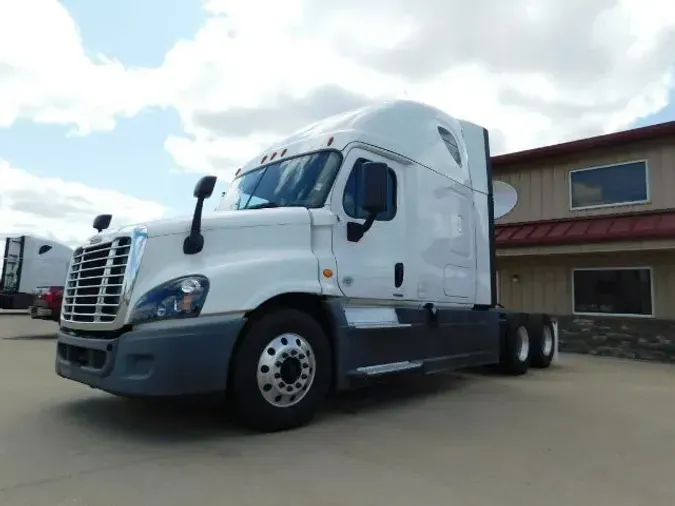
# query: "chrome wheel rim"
547, 341
523, 344
286, 370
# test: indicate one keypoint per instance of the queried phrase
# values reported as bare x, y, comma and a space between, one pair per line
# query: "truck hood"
223, 219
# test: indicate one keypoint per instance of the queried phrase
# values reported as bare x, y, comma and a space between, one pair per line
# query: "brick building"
592, 240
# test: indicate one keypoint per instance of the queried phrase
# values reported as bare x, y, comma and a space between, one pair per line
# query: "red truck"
47, 303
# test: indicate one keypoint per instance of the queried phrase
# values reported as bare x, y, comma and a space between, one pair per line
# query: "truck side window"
44, 249
452, 144
350, 199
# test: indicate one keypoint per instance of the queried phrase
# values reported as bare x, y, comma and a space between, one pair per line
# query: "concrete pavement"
590, 432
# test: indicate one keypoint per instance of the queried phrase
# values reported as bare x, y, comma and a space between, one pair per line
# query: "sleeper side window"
351, 199
451, 144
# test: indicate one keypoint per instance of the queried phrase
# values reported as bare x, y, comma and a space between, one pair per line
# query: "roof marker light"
263, 159
330, 141
283, 152
273, 156
238, 171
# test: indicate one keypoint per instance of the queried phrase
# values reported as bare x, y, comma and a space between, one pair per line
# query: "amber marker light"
327, 273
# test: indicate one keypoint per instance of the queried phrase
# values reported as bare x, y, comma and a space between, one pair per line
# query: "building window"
616, 291
452, 144
351, 199
611, 185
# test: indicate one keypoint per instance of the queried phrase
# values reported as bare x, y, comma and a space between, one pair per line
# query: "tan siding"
545, 283
544, 189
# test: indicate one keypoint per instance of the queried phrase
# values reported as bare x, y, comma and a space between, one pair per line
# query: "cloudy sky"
119, 105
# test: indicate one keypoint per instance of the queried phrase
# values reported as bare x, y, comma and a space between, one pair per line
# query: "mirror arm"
194, 242
369, 221
356, 230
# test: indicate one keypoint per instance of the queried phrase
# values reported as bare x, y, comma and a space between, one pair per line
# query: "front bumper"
40, 310
182, 357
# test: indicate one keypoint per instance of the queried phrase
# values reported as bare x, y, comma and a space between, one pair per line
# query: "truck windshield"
303, 181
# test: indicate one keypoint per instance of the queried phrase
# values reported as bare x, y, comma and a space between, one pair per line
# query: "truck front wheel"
281, 372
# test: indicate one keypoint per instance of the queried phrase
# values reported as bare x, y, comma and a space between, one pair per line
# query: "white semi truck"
29, 263
358, 247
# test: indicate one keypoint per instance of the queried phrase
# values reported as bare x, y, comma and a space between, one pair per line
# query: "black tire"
542, 341
514, 361
250, 406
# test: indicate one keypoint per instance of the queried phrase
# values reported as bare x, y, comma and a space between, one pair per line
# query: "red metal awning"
587, 230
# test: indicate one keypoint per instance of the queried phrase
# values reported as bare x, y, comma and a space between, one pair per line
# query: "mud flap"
555, 341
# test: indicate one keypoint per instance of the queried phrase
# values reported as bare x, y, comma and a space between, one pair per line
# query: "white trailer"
358, 247
28, 263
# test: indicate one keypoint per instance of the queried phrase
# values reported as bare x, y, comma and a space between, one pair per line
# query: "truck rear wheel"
515, 353
542, 340
281, 372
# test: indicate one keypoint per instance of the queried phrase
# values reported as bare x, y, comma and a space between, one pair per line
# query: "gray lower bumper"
183, 357
40, 312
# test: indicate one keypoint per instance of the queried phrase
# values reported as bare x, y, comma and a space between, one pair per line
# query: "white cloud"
534, 72
45, 75
62, 210
539, 72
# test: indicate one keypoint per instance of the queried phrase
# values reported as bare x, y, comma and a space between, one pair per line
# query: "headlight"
179, 298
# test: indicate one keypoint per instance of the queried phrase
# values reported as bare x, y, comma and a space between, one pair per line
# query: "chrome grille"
94, 286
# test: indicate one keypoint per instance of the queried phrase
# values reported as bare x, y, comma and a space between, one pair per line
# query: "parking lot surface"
591, 431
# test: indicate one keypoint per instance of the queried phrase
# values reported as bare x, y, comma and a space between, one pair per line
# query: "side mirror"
102, 222
374, 184
204, 187
373, 191
194, 242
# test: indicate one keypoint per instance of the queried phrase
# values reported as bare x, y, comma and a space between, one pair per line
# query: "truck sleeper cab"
360, 246
30, 263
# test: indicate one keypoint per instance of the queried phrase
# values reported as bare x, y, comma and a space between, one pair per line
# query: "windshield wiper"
269, 205
266, 205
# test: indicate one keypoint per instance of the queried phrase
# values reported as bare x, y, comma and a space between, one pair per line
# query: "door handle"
398, 275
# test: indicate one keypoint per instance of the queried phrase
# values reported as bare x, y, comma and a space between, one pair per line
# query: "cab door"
374, 267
